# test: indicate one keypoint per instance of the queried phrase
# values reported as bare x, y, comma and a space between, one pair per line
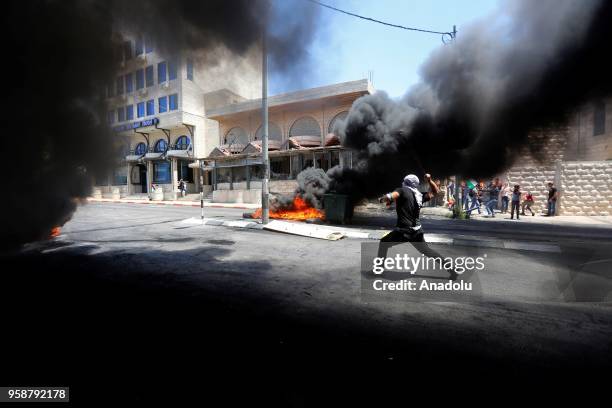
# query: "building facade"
157, 111
301, 135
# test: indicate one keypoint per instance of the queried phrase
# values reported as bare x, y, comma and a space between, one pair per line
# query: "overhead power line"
381, 22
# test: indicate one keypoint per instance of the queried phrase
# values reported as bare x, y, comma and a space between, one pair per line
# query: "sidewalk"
604, 221
175, 203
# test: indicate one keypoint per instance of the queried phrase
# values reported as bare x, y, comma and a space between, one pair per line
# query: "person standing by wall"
553, 194
516, 201
506, 193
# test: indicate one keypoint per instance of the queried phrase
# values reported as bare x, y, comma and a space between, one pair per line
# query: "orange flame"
299, 210
55, 231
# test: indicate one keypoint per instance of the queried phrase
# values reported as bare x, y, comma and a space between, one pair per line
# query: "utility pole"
458, 193
265, 204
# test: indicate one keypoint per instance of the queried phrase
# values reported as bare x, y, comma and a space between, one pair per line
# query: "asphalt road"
130, 299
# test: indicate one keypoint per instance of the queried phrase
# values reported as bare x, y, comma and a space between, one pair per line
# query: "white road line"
532, 246
320, 230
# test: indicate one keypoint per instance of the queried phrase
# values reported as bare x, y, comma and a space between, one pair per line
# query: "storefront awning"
255, 161
133, 157
152, 156
181, 154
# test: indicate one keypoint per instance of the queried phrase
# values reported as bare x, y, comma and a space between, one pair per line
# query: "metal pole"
265, 205
458, 193
202, 191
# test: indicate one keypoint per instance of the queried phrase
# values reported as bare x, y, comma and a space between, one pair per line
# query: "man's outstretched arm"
389, 198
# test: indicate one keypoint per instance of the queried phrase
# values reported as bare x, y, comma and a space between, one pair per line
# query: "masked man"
408, 202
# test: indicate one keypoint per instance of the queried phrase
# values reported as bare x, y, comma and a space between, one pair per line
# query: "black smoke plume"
527, 66
64, 54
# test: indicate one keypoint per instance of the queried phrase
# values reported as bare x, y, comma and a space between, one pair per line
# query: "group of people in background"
485, 197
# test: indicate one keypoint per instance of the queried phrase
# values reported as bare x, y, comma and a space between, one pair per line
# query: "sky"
347, 48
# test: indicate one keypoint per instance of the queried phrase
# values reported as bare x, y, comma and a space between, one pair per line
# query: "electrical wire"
381, 22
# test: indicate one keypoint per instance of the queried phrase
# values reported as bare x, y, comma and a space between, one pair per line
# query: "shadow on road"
119, 327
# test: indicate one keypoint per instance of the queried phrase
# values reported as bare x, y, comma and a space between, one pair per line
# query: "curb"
169, 203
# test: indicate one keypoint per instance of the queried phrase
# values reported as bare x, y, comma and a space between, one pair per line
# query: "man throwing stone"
408, 202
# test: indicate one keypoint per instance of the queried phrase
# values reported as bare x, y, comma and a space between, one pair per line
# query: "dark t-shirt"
551, 193
407, 208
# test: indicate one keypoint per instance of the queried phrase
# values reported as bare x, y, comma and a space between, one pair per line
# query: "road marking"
322, 231
532, 246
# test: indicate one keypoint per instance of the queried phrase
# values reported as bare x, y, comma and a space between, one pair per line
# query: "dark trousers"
398, 236
515, 206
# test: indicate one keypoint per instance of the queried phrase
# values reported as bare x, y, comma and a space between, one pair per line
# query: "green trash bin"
338, 208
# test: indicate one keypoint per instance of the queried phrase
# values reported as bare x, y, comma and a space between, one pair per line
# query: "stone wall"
537, 163
586, 188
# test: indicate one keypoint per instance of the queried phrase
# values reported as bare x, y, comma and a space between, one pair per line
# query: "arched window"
339, 117
274, 132
236, 135
160, 146
305, 126
183, 142
141, 149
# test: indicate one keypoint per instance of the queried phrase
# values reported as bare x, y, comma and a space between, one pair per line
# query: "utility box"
338, 208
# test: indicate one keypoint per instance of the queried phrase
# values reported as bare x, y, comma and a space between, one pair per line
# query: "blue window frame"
129, 82
139, 46
121, 114
183, 142
129, 112
110, 117
161, 172
127, 50
171, 70
161, 72
140, 109
151, 107
140, 149
149, 75
160, 146
173, 101
140, 79
119, 85
162, 104
190, 69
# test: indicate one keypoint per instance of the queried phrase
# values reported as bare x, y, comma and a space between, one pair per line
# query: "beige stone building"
301, 126
577, 158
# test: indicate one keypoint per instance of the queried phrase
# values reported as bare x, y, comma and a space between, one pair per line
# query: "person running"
516, 201
408, 202
553, 194
464, 195
493, 192
527, 203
